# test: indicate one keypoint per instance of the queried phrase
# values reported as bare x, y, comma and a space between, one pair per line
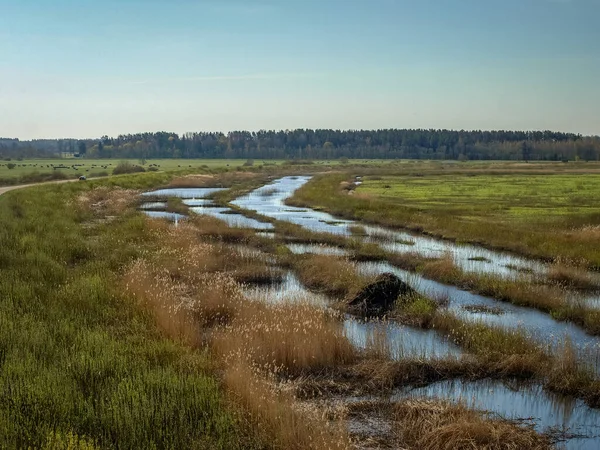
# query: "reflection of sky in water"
540, 326
546, 410
269, 200
402, 341
164, 215
197, 201
233, 220
183, 192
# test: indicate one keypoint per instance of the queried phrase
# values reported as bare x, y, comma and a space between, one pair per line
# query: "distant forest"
322, 144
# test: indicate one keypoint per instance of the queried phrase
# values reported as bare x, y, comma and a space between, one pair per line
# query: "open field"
553, 216
34, 170
225, 350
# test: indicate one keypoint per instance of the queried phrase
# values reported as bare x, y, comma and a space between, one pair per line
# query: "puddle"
541, 327
174, 217
290, 290
189, 193
400, 340
546, 411
232, 218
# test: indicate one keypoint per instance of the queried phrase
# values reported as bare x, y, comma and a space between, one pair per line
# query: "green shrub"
126, 167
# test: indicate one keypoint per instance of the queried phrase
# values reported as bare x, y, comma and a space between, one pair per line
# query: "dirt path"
6, 189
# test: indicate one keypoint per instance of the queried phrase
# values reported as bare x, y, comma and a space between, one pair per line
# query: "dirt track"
5, 189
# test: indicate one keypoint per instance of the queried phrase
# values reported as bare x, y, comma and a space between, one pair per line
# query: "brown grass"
435, 425
332, 275
443, 268
571, 277
189, 287
104, 201
510, 352
274, 415
192, 181
290, 338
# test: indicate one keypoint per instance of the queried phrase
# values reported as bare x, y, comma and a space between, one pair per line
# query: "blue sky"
84, 68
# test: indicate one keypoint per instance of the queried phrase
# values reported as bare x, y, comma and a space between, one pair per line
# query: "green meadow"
511, 199
38, 170
548, 215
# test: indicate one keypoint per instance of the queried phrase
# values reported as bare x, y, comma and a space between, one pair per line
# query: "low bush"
126, 167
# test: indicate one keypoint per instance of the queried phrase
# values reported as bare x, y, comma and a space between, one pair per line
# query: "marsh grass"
573, 277
189, 286
285, 338
501, 209
176, 205
554, 300
81, 364
417, 310
334, 276
275, 417
429, 425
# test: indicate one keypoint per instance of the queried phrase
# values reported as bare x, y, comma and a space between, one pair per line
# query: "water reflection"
191, 193
539, 325
154, 205
468, 257
546, 411
232, 218
400, 341
174, 217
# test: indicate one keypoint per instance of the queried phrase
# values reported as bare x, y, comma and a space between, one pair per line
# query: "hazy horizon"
73, 69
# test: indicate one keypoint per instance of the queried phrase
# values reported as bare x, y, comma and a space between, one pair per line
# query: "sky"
87, 68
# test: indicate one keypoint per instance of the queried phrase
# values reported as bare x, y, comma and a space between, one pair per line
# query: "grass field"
118, 331
550, 215
32, 170
81, 365
556, 200
72, 167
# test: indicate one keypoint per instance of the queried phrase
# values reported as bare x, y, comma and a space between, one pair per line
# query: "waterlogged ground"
401, 341
570, 420
269, 200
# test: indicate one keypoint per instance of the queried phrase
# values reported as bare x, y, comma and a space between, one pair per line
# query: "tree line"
326, 144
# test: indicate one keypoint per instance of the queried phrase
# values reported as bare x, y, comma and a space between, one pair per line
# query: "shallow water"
174, 217
273, 205
233, 220
191, 193
540, 326
197, 201
547, 411
153, 205
400, 340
